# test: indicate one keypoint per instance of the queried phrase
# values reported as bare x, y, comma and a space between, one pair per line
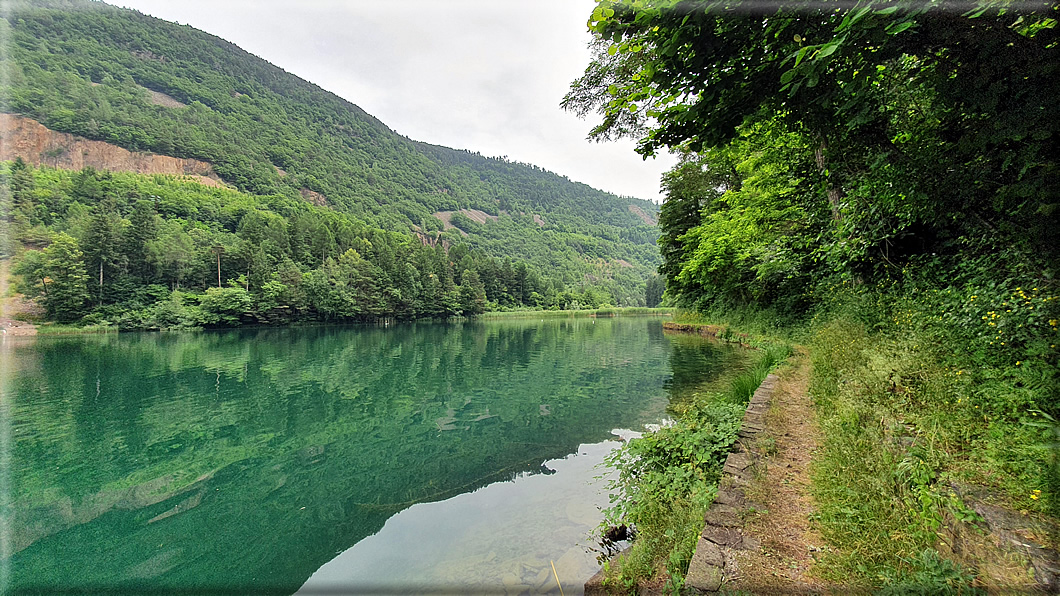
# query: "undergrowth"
60, 329
920, 387
914, 399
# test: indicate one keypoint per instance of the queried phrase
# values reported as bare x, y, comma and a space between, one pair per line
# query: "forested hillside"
162, 251
115, 75
881, 181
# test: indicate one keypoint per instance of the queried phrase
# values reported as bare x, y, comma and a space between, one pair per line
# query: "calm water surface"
421, 457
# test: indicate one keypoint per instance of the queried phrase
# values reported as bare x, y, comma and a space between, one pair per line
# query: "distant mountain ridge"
90, 69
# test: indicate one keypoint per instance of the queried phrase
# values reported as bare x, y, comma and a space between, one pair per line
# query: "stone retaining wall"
723, 523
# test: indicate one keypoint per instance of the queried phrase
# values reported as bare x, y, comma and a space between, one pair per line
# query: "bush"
226, 306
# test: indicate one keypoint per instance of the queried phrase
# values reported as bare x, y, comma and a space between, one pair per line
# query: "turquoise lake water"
446, 458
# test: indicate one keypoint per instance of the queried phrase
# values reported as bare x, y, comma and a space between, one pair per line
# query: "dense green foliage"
150, 252
86, 68
821, 143
883, 177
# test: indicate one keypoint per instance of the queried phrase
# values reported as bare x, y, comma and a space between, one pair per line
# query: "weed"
928, 574
59, 329
602, 312
767, 446
906, 407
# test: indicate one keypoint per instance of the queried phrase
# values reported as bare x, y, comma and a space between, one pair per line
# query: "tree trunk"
834, 194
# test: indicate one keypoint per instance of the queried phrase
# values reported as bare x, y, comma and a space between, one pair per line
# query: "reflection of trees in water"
695, 361
305, 438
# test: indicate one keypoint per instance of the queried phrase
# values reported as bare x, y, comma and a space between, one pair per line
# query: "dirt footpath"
782, 526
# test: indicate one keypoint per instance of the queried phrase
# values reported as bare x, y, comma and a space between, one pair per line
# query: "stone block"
723, 536
705, 572
717, 516
731, 496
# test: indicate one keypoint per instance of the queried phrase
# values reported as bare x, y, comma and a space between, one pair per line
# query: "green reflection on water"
246, 460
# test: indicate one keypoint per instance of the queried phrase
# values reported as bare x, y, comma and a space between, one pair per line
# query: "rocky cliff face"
38, 145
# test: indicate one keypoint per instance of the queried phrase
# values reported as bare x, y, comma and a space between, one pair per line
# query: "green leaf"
899, 27
844, 24
828, 50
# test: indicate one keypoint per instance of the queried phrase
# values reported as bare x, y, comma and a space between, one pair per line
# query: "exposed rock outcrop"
313, 197
161, 99
38, 145
645, 217
475, 215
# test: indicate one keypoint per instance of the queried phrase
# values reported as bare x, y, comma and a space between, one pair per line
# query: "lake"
411, 458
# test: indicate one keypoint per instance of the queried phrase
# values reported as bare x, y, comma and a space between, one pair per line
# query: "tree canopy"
151, 252
915, 124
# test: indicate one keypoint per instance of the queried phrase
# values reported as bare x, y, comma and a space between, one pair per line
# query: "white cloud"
484, 75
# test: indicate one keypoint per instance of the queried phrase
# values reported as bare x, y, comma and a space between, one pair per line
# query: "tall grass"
59, 329
744, 385
917, 387
764, 325
897, 430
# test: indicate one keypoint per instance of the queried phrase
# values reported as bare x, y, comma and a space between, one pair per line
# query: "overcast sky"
484, 75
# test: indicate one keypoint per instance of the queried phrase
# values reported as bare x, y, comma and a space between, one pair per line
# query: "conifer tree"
472, 293
67, 286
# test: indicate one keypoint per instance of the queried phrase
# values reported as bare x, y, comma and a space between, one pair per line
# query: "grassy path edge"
758, 537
